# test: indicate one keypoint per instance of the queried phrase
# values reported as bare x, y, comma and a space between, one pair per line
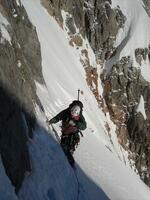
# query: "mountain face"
124, 87
20, 64
95, 20
126, 91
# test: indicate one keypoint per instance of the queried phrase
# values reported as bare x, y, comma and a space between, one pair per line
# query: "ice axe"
78, 94
78, 100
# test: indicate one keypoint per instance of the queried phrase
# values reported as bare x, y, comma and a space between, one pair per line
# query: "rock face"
147, 6
124, 86
123, 90
20, 65
95, 20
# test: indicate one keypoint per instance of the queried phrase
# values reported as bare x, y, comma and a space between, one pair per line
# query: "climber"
72, 123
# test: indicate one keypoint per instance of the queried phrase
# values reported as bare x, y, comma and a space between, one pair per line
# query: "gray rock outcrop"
95, 20
123, 90
20, 66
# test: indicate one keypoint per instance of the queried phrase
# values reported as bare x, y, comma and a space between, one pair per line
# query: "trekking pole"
78, 94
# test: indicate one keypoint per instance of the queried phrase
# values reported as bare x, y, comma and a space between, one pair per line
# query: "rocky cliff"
124, 86
20, 66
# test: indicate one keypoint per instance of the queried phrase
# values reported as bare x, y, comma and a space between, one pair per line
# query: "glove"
51, 121
71, 122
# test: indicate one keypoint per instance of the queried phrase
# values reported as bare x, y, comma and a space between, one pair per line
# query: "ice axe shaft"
78, 100
78, 94
81, 133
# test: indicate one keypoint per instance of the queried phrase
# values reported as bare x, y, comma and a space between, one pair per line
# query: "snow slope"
6, 190
136, 25
135, 34
3, 24
100, 163
141, 107
51, 174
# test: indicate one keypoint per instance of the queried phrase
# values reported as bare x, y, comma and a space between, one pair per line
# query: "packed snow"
19, 63
6, 189
3, 28
51, 174
141, 107
85, 45
135, 34
145, 69
18, 2
136, 26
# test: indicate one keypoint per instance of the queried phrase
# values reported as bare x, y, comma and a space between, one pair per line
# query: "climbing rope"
56, 134
80, 187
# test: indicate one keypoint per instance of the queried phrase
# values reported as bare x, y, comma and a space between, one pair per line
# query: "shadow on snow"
28, 147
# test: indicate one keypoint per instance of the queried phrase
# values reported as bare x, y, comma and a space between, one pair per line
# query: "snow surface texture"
135, 34
100, 173
136, 26
3, 24
51, 174
141, 107
6, 190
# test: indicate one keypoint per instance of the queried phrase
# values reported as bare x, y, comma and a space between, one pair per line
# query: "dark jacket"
69, 125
